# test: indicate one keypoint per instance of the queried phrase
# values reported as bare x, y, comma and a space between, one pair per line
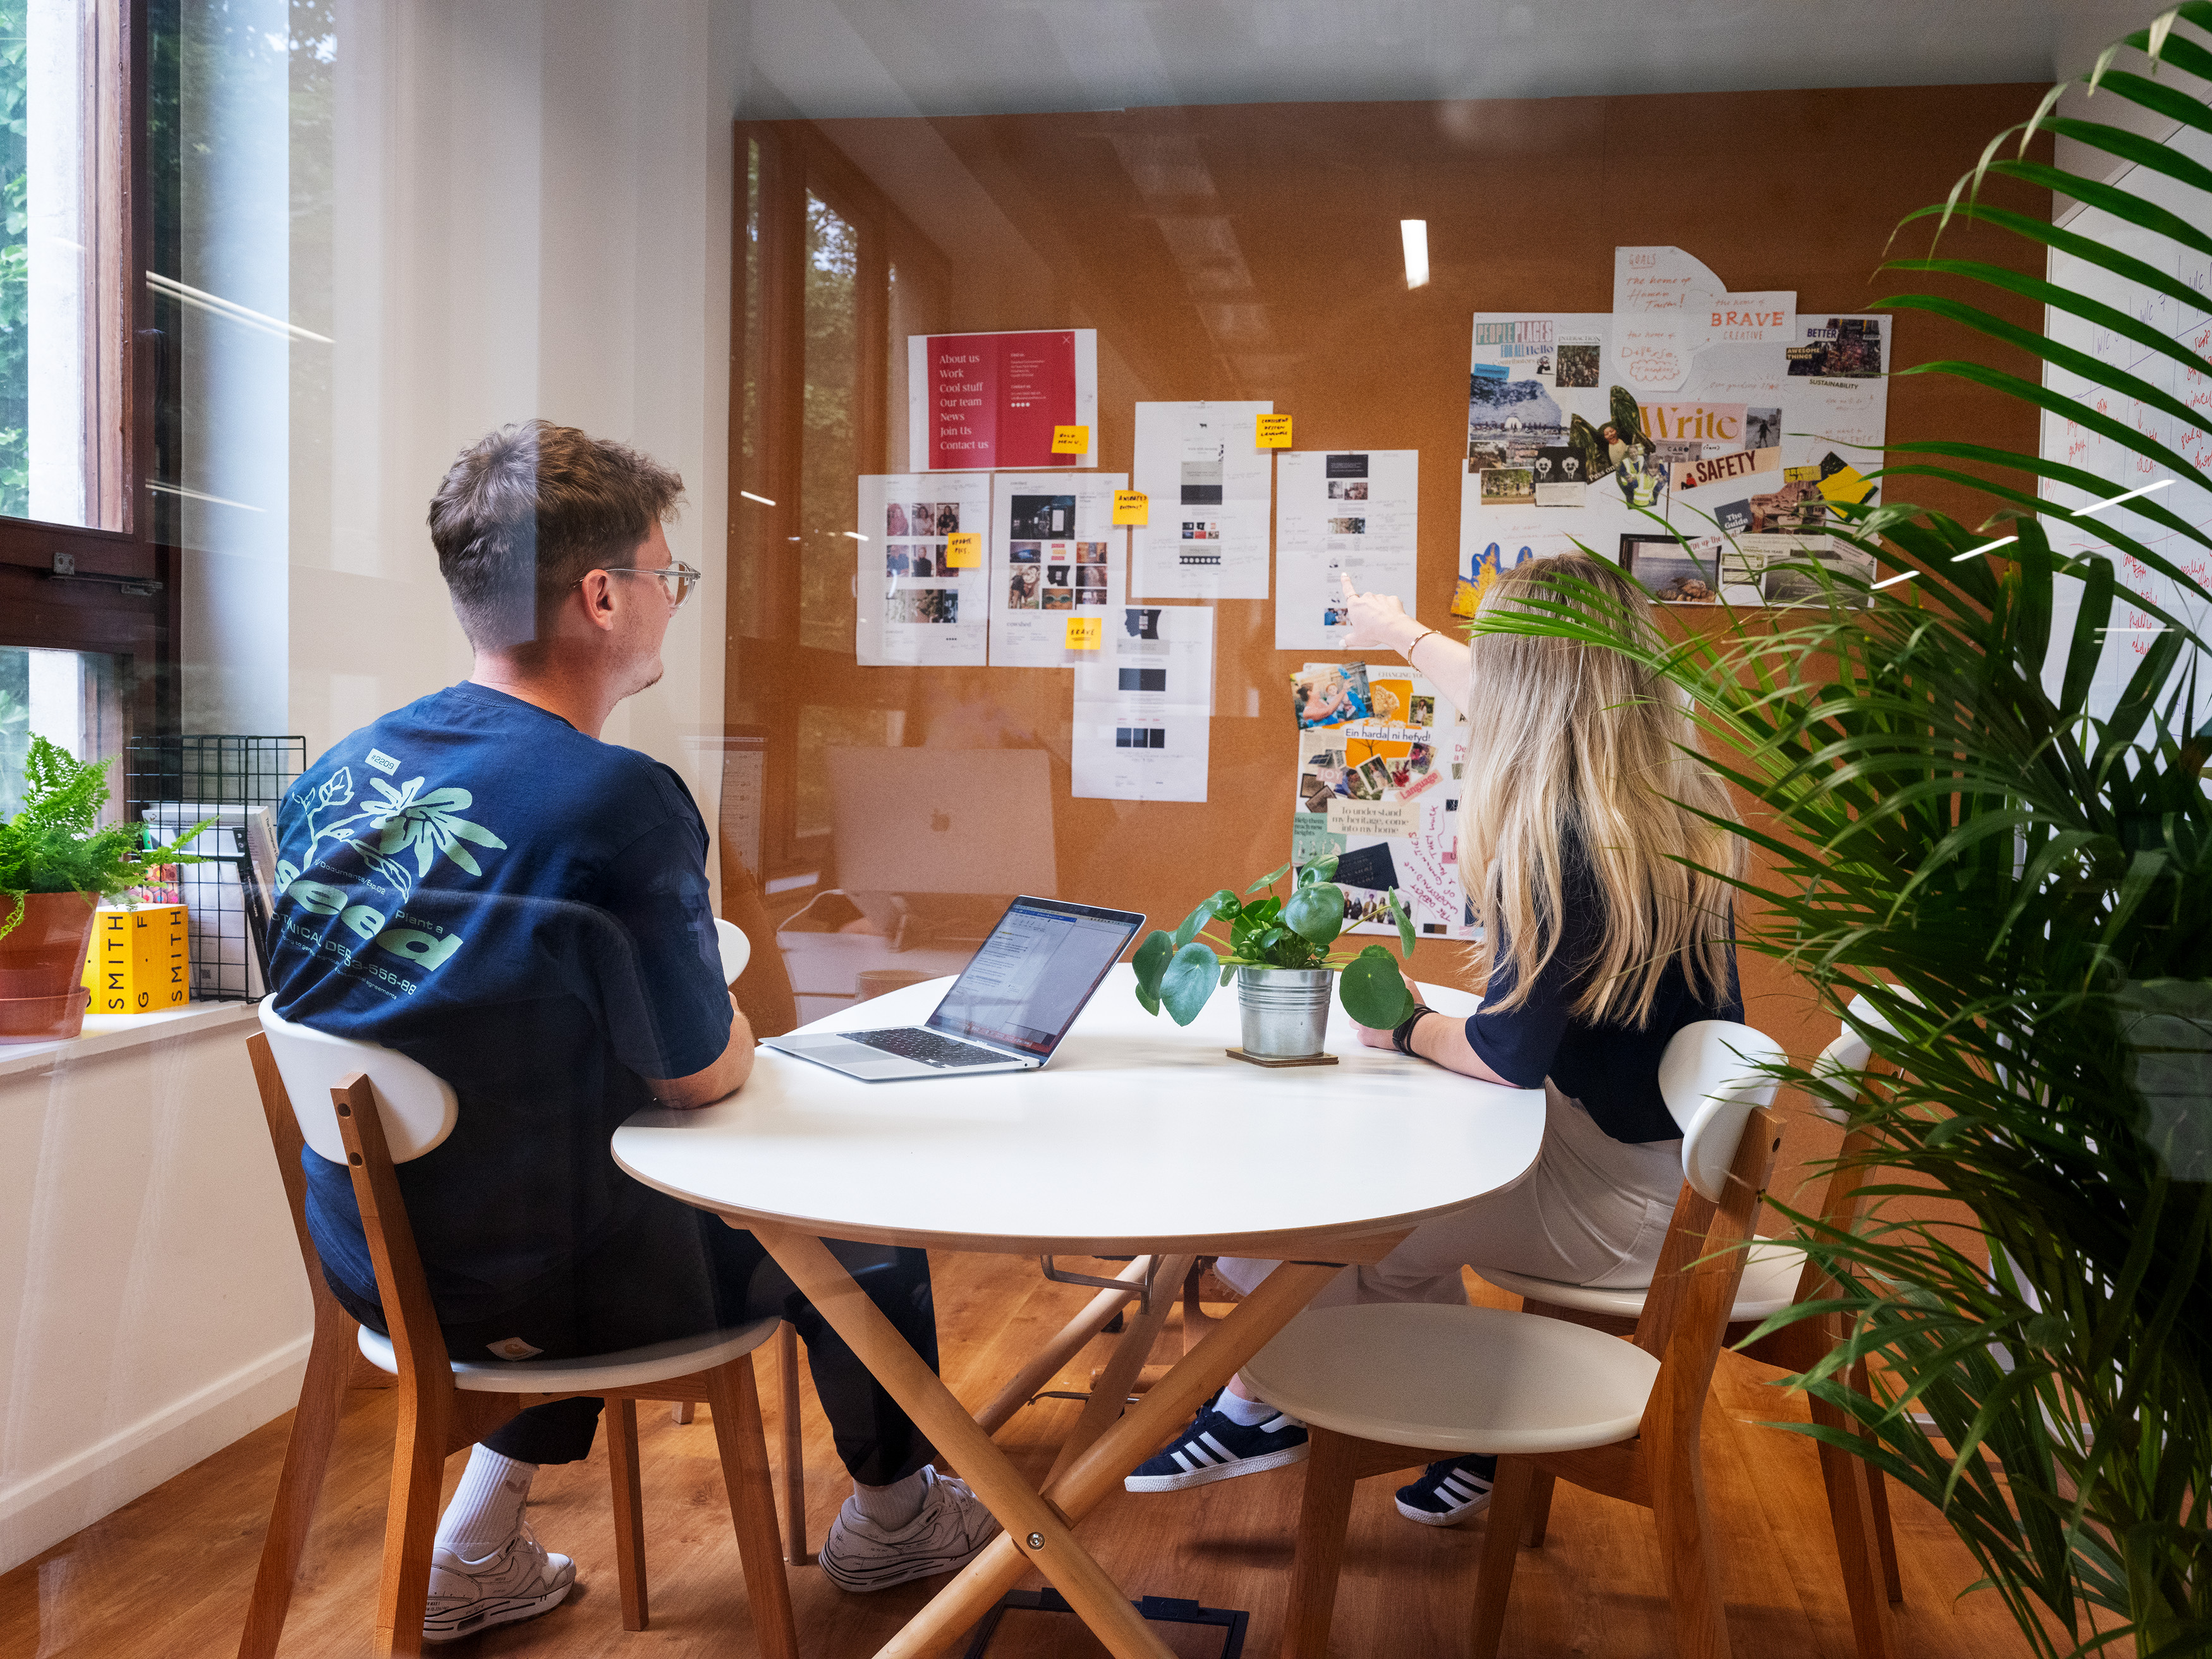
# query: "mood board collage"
1704, 438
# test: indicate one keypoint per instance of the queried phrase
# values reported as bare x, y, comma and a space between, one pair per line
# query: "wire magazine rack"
172, 783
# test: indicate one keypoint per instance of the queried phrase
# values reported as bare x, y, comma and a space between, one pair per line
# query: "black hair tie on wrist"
1401, 1035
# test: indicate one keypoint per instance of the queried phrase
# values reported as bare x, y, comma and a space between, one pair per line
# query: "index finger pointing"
1345, 576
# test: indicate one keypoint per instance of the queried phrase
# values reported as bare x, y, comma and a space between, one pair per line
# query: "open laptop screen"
1034, 974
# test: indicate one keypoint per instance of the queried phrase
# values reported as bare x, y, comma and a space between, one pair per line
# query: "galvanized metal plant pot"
1284, 1010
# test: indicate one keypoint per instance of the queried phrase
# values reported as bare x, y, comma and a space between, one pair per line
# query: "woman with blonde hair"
1589, 852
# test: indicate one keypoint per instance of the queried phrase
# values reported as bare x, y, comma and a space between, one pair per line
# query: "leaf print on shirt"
430, 823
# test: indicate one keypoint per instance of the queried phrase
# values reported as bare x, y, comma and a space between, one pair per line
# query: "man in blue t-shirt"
479, 881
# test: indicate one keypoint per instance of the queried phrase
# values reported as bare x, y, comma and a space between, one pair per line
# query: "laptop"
1008, 1010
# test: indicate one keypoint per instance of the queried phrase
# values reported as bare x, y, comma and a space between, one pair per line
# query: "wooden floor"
169, 1575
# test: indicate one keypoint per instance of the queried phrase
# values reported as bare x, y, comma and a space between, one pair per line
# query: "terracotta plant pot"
42, 967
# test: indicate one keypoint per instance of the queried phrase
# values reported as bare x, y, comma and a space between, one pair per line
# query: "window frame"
65, 586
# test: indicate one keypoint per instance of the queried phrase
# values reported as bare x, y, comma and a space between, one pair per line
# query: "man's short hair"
527, 510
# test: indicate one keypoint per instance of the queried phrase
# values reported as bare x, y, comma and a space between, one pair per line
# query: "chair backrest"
1850, 1051
737, 948
419, 1109
1712, 1077
1693, 1289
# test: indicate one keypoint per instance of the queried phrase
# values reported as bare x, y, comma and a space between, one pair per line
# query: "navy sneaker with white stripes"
1215, 1449
1449, 1492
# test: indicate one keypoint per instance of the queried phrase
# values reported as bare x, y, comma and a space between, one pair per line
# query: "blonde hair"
1578, 742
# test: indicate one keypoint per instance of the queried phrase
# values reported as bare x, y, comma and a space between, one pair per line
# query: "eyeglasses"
676, 580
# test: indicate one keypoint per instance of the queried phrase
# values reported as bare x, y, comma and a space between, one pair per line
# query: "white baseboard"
41, 1509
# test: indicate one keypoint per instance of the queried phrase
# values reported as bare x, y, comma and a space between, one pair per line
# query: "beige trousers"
1591, 1211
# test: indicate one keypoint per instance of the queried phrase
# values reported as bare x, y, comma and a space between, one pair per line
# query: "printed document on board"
1210, 488
1144, 706
1344, 513
912, 604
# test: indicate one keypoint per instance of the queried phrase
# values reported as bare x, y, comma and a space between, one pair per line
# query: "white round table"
1140, 1136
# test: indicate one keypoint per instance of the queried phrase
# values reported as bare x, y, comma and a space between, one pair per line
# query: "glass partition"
1363, 269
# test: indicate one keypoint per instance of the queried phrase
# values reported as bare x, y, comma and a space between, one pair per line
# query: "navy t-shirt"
1612, 1069
523, 909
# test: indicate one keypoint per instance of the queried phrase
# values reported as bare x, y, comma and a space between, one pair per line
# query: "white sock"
893, 1506
486, 1514
1244, 1413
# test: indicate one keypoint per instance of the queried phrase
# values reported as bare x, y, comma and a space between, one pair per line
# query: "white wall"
152, 1307
529, 215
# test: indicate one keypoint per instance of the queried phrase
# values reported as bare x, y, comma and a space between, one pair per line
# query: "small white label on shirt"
513, 1347
387, 764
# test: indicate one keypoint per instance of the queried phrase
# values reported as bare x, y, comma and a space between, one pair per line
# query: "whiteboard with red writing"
2117, 467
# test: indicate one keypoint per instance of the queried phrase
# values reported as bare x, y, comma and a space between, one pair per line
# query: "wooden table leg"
1111, 1395
1249, 1328
1034, 1528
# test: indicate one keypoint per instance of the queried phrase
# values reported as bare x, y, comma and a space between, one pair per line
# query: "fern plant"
56, 844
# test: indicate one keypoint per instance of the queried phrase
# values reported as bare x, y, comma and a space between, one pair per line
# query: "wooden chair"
374, 1109
1776, 1275
1383, 1386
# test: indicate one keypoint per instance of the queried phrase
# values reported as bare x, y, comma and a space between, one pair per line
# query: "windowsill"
107, 1033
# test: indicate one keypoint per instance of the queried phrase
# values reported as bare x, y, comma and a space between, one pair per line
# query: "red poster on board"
994, 398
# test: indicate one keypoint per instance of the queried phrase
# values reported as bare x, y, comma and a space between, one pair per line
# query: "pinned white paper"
1669, 305
1142, 724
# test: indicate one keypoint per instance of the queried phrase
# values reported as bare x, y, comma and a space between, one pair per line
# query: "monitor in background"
942, 821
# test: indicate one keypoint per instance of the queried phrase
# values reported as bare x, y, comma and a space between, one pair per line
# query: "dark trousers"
672, 1272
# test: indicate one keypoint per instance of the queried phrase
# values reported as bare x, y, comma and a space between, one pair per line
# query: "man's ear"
595, 594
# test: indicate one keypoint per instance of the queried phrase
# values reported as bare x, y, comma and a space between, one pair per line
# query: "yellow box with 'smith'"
138, 963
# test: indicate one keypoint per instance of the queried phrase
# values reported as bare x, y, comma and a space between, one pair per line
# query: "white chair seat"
629, 1368
1770, 1285
1456, 1379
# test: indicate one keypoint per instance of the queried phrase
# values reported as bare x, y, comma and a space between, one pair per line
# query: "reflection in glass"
831, 442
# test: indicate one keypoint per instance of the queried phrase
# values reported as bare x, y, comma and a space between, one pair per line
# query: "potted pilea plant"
57, 864
1279, 949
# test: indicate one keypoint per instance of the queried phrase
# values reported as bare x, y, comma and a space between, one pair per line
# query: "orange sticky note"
1085, 633
964, 551
1273, 432
1070, 439
1132, 506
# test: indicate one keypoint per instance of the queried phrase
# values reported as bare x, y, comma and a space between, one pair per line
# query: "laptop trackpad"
857, 1058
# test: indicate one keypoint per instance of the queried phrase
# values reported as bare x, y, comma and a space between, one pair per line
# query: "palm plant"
2006, 848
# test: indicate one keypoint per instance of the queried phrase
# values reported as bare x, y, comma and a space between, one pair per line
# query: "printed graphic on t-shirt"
347, 892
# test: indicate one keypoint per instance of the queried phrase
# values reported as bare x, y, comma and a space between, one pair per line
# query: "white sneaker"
952, 1527
520, 1582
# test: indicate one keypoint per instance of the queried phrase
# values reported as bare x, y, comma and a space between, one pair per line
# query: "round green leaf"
1319, 869
1372, 990
1191, 976
1151, 962
1315, 913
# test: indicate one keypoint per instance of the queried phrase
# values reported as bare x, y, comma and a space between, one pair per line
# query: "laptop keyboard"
913, 1042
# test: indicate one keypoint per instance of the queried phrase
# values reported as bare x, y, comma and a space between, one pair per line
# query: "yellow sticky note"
1085, 633
964, 551
1273, 431
1070, 439
1800, 475
1132, 506
1848, 485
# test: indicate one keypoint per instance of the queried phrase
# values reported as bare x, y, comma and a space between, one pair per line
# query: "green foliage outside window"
15, 264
